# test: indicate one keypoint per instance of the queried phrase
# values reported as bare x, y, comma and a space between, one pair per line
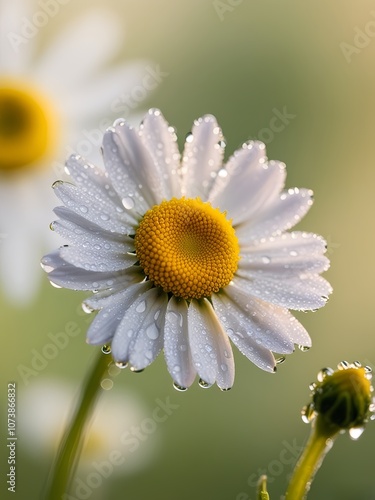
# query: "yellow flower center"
26, 126
187, 247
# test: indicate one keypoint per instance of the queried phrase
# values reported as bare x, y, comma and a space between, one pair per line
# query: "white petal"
131, 168
265, 324
98, 210
96, 260
289, 254
105, 324
176, 343
248, 183
108, 93
239, 330
78, 51
140, 316
150, 339
76, 229
282, 214
66, 275
161, 142
202, 157
210, 346
303, 293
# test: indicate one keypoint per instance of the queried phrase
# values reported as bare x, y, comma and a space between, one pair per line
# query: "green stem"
68, 454
319, 443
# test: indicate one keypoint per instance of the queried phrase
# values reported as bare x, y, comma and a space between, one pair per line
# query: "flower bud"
342, 399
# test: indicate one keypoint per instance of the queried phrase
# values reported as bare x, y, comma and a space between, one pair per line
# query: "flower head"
342, 399
183, 254
48, 100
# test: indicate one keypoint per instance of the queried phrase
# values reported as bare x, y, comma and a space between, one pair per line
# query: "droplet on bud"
121, 364
202, 383
179, 387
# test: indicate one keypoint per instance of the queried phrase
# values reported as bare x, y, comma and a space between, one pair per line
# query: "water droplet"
308, 413
368, 369
280, 360
106, 349
293, 253
303, 348
204, 384
86, 308
312, 386
141, 307
104, 216
343, 365
135, 370
152, 332
121, 364
55, 285
324, 372
224, 367
356, 432
83, 209
266, 260
357, 364
176, 368
128, 203
225, 389
183, 347
156, 315
208, 347
179, 387
189, 137
226, 354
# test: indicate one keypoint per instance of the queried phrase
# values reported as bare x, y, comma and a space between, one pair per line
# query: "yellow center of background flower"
187, 247
27, 127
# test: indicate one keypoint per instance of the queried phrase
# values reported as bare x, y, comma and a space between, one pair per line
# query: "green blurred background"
240, 61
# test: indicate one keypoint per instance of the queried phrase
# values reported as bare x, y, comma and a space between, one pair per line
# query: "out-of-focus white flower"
185, 255
48, 101
117, 422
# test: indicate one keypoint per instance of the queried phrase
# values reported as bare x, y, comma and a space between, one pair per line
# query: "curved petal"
248, 183
282, 214
79, 231
143, 319
161, 142
131, 168
210, 347
176, 343
303, 293
62, 274
287, 255
104, 326
202, 157
98, 210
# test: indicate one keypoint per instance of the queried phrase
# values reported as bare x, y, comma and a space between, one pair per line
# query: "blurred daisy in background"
119, 416
49, 100
185, 253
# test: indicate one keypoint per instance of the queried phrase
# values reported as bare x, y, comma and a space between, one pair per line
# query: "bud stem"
63, 468
319, 443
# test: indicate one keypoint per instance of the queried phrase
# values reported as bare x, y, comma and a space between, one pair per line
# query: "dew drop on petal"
121, 364
152, 332
225, 389
141, 307
179, 387
205, 385
87, 309
266, 260
128, 203
83, 209
135, 370
280, 360
106, 349
303, 348
104, 216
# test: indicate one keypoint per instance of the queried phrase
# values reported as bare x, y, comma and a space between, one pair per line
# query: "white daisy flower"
48, 100
185, 254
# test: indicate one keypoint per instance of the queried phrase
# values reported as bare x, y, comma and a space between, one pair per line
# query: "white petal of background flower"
71, 71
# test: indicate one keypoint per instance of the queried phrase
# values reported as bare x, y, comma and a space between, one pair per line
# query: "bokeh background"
241, 61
